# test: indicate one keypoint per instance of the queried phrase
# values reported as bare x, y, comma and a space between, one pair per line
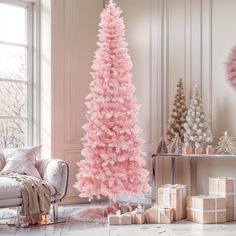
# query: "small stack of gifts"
198, 149
218, 207
171, 206
127, 215
174, 204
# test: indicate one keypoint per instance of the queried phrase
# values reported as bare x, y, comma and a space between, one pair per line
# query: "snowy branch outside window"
15, 77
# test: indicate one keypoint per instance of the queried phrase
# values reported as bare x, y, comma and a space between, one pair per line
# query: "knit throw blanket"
36, 196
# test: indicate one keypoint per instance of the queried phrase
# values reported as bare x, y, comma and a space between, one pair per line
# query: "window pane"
12, 62
13, 24
16, 39
13, 100
12, 133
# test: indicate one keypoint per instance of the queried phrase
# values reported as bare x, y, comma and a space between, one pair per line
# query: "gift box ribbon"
160, 210
222, 194
119, 219
215, 210
167, 196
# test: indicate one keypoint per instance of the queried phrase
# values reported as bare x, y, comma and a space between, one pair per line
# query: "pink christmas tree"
113, 164
231, 67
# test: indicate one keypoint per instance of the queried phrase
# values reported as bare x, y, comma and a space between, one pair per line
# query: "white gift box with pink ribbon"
173, 196
120, 219
206, 209
225, 187
159, 215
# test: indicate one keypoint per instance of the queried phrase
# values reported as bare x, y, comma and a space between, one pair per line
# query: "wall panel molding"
153, 97
194, 39
207, 56
184, 51
58, 72
74, 36
168, 40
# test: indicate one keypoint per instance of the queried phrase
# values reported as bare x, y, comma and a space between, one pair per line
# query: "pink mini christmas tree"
231, 67
113, 164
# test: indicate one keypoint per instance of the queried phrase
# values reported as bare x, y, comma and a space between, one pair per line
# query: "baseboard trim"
138, 200
75, 199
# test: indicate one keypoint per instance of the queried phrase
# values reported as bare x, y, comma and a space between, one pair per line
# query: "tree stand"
96, 214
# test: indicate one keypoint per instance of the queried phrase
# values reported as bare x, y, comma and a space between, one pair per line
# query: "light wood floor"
75, 228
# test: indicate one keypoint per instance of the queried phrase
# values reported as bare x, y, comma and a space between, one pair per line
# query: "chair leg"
55, 212
18, 218
46, 222
17, 221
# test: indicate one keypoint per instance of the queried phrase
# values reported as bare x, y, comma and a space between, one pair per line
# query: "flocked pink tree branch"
113, 164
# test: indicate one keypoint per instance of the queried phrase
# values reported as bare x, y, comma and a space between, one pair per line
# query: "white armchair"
54, 172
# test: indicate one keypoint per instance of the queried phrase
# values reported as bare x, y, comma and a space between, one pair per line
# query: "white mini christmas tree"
197, 127
178, 116
226, 145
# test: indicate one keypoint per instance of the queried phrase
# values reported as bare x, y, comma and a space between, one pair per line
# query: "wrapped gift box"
139, 218
124, 219
125, 208
159, 215
187, 149
173, 196
206, 209
225, 187
128, 208
199, 150
133, 206
210, 150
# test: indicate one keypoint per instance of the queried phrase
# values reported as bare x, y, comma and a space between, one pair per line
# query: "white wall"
140, 19
223, 97
45, 75
74, 35
168, 40
197, 38
223, 39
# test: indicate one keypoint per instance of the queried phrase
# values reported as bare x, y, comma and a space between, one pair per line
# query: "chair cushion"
10, 188
22, 161
13, 202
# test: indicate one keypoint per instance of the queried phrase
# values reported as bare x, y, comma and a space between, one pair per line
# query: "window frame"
33, 68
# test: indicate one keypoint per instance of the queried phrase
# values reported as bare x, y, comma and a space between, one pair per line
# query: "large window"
16, 73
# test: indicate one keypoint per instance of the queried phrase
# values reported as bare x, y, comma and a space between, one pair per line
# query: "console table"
174, 157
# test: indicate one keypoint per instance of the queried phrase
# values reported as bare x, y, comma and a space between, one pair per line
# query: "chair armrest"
2, 161
56, 173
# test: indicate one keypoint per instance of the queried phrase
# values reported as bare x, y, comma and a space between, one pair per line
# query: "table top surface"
173, 155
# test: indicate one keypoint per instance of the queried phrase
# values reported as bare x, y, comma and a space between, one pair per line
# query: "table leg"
173, 173
194, 176
154, 179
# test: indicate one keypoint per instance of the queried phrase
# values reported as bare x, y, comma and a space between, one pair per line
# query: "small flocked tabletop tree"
162, 147
176, 145
226, 145
113, 164
178, 116
197, 126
